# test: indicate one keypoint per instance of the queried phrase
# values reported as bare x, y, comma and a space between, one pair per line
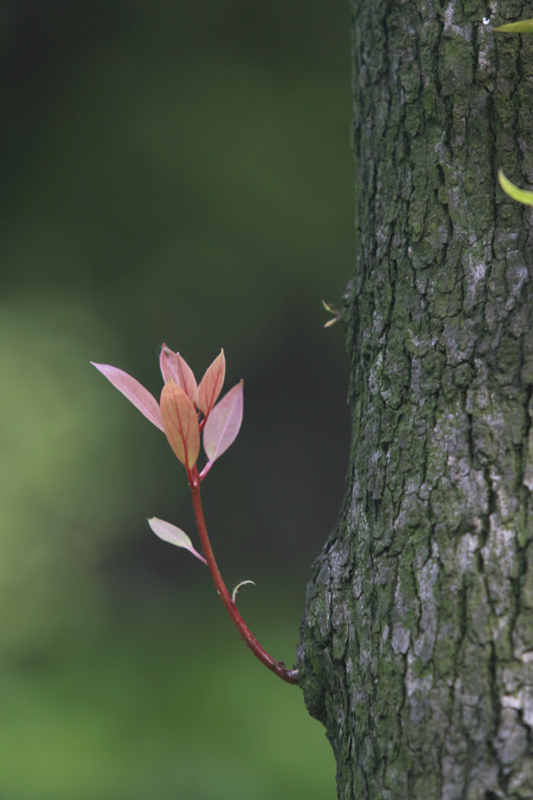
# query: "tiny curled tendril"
242, 583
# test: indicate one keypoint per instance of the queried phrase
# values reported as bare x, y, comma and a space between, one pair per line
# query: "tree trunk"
417, 644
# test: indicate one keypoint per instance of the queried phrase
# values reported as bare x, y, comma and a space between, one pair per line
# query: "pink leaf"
174, 367
170, 533
134, 391
211, 384
223, 423
187, 381
168, 361
180, 423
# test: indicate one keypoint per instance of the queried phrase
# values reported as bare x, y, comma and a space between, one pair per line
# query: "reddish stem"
288, 675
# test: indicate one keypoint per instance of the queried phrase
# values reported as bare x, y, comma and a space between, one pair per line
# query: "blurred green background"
178, 172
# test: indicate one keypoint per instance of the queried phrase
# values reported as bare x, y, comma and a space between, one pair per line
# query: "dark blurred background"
173, 172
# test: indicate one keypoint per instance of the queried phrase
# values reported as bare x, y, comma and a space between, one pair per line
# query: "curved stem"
288, 675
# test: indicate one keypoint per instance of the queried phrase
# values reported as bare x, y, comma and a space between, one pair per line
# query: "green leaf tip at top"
523, 26
520, 195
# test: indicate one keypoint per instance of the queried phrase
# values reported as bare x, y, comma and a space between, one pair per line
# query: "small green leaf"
524, 26
513, 191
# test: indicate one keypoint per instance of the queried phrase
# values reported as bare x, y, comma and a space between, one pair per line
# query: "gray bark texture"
417, 642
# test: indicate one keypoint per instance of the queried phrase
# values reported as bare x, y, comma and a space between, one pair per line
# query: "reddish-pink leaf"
211, 384
134, 391
180, 422
223, 423
174, 367
187, 381
168, 361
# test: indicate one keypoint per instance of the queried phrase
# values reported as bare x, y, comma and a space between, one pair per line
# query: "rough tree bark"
417, 644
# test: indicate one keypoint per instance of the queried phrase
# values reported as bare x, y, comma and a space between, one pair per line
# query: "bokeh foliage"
177, 172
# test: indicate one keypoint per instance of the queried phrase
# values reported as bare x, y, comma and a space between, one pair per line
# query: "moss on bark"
417, 643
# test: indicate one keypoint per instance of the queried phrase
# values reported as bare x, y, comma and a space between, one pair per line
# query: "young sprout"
186, 412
